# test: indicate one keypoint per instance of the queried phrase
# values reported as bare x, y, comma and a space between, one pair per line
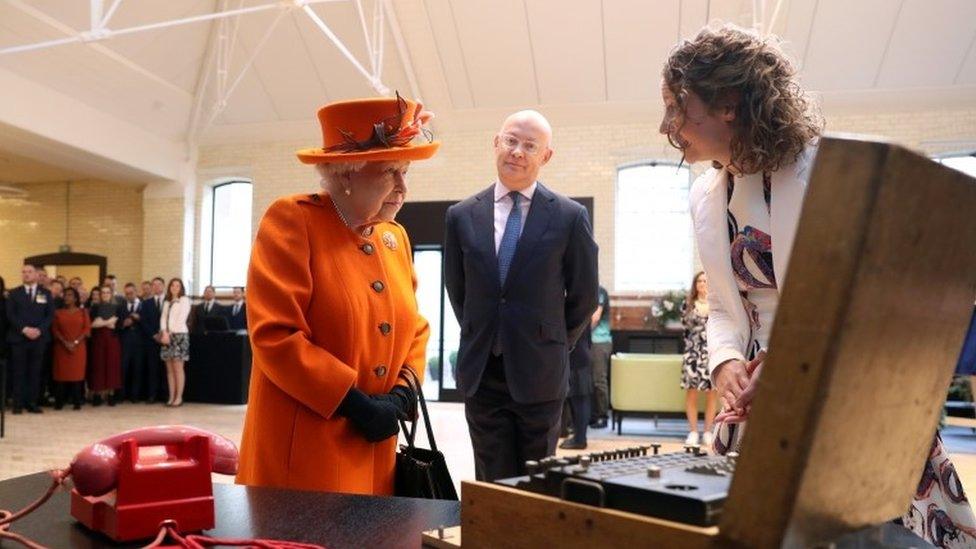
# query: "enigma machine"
687, 487
881, 285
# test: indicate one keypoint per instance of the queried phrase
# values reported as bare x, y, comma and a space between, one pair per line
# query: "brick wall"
141, 231
103, 219
162, 239
585, 161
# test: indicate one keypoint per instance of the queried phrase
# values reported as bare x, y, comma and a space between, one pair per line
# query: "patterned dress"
939, 511
694, 370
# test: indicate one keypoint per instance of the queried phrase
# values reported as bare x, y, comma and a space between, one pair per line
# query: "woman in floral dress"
694, 371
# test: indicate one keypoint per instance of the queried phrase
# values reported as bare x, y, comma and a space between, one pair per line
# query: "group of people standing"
103, 347
335, 325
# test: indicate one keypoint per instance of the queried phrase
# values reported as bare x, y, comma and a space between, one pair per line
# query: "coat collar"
711, 227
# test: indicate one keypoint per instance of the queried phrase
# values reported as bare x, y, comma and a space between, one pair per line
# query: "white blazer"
175, 321
728, 327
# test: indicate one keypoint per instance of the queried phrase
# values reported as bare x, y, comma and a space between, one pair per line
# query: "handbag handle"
413, 381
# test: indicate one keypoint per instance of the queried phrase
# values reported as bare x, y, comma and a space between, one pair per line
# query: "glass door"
445, 333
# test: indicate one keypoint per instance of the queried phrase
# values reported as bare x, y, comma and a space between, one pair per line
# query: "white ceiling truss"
216, 70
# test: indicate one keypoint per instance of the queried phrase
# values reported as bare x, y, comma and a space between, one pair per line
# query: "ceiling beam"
401, 46
375, 82
200, 90
103, 33
66, 125
75, 36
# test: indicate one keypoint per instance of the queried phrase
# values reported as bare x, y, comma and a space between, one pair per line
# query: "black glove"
404, 399
375, 418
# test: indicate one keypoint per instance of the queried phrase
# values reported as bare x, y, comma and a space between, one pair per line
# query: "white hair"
329, 172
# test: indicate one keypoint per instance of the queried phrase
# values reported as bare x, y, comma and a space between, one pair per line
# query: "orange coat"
328, 310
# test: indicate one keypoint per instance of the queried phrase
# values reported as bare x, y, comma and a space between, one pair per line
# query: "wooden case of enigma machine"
870, 323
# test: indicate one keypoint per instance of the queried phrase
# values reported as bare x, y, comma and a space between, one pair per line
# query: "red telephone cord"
168, 529
7, 518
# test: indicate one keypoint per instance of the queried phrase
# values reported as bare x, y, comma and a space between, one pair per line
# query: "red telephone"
95, 468
128, 484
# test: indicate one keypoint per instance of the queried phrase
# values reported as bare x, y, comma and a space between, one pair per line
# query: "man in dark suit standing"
152, 309
237, 312
30, 311
132, 344
520, 267
209, 307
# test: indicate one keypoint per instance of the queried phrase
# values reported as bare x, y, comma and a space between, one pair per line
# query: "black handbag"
421, 473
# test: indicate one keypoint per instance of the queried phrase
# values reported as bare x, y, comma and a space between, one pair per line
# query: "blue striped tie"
509, 238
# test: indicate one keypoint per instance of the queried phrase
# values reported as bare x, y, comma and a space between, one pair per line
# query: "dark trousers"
600, 359
579, 415
152, 371
46, 384
26, 361
73, 389
131, 365
504, 433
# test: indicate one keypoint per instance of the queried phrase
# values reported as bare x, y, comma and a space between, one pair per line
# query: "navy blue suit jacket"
238, 321
547, 299
149, 318
21, 313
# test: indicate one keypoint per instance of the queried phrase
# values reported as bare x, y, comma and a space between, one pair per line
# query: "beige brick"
103, 218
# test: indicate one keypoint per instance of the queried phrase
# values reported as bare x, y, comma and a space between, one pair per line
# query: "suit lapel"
483, 220
536, 223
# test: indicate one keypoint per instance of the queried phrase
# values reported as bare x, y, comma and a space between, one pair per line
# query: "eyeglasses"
511, 143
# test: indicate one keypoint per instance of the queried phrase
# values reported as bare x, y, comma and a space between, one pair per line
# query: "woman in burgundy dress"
105, 368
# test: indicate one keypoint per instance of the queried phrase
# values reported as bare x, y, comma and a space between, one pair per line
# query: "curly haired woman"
732, 98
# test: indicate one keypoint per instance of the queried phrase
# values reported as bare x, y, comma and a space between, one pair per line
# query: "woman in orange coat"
333, 313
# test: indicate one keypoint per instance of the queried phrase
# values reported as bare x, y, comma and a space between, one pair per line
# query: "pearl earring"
348, 192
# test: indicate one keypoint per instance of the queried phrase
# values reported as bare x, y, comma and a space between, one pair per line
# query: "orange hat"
372, 130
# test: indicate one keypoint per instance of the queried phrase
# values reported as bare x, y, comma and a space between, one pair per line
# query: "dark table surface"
331, 520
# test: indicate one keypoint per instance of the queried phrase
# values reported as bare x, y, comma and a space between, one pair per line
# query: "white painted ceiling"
474, 59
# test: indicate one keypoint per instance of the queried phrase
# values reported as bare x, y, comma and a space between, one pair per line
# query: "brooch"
389, 240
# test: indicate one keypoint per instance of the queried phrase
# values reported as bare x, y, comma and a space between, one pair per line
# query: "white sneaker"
708, 439
692, 438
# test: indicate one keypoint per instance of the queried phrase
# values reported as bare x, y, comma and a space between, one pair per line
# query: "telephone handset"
95, 468
164, 492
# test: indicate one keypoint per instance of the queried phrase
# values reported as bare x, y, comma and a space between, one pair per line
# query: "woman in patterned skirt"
174, 339
732, 99
694, 371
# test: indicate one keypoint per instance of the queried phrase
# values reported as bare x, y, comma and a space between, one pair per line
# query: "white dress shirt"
503, 207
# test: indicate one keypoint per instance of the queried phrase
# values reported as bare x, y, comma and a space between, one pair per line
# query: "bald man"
520, 266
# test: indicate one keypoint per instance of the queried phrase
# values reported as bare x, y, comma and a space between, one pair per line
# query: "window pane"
427, 264
452, 340
653, 228
231, 240
965, 164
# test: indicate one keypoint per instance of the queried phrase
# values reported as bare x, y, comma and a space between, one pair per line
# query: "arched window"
966, 163
226, 242
653, 249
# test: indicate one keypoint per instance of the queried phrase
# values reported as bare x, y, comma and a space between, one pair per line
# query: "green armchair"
647, 385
